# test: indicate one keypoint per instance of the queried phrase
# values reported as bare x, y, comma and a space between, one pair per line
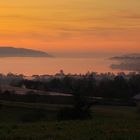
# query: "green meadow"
25, 121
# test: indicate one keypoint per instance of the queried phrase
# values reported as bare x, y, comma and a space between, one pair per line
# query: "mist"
130, 62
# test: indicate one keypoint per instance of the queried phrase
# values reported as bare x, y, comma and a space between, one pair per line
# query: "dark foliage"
73, 114
33, 116
118, 87
79, 110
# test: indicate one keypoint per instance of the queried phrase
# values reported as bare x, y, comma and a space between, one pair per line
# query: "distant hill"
21, 52
129, 62
127, 57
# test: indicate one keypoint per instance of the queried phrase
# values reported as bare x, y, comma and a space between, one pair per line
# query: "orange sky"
68, 26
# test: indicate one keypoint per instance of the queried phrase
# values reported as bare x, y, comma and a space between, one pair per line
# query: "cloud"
21, 17
103, 31
128, 15
131, 16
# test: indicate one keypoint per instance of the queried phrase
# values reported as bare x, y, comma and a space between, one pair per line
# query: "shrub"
138, 108
33, 116
71, 113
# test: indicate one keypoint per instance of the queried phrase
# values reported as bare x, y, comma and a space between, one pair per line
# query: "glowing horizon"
76, 25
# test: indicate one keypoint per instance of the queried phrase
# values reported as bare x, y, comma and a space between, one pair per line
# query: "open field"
108, 123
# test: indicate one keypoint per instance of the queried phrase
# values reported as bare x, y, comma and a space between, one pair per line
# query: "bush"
138, 108
33, 116
71, 113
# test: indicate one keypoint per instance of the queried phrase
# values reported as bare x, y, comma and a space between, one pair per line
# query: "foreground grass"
108, 123
73, 130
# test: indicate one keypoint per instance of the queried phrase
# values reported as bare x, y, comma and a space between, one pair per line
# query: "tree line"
118, 87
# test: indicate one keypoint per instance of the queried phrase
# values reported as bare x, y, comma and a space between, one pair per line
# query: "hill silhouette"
21, 52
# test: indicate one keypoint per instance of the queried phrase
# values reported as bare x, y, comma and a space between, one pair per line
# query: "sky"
71, 26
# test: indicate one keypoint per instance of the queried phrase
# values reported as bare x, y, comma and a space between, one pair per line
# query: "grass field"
108, 123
